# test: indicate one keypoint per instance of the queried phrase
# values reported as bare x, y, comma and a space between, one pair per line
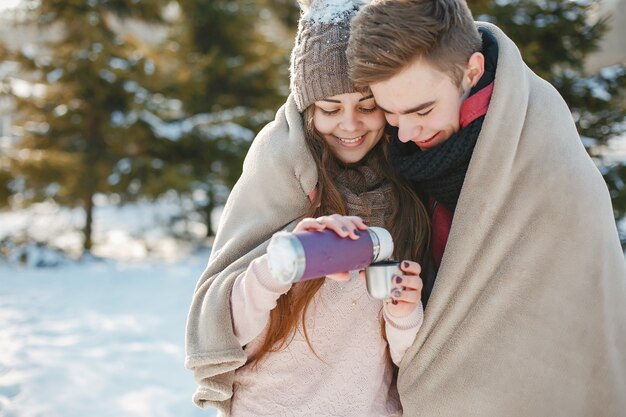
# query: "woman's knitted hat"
319, 67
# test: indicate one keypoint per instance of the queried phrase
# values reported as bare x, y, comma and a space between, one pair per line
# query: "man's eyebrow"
367, 97
411, 110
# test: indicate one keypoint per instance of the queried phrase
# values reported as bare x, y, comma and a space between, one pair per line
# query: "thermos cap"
385, 243
285, 257
379, 278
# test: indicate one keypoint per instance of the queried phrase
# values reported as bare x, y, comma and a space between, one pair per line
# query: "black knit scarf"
440, 172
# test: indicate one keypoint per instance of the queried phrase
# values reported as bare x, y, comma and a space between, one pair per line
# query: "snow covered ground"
98, 338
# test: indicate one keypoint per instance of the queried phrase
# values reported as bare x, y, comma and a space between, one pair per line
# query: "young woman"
319, 347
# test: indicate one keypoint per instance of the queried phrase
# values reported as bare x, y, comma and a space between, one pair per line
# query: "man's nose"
408, 132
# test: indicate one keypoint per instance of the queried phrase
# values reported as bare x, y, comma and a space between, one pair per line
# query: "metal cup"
379, 278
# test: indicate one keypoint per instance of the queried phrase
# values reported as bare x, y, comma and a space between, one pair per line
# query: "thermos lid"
385, 243
285, 257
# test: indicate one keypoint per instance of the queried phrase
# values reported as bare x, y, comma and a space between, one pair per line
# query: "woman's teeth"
353, 140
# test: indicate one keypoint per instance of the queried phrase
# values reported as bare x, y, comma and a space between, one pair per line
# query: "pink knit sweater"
349, 374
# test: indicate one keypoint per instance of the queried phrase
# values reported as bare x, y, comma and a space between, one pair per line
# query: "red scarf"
472, 108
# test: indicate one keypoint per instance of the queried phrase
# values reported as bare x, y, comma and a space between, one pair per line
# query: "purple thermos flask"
305, 255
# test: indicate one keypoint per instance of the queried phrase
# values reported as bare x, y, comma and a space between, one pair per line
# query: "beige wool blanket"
528, 313
272, 193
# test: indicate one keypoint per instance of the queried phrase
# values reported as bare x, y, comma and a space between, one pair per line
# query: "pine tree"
80, 84
554, 37
230, 76
286, 11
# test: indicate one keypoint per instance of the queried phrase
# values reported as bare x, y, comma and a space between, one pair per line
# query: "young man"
527, 313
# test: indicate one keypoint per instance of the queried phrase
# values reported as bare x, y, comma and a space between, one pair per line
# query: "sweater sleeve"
401, 331
253, 296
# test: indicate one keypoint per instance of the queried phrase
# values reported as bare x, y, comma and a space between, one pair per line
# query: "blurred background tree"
555, 37
230, 75
72, 92
103, 108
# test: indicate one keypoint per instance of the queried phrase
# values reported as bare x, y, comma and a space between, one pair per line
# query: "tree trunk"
95, 148
208, 209
87, 230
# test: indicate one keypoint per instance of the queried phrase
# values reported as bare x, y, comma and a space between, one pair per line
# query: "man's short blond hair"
388, 35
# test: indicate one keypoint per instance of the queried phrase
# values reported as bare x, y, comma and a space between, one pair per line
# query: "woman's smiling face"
350, 123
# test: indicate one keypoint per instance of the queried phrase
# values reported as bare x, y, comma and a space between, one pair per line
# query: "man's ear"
475, 69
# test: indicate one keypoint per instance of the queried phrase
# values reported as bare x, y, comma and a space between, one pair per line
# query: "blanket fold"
272, 194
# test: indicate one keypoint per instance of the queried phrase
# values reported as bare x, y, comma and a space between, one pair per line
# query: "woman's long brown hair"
409, 226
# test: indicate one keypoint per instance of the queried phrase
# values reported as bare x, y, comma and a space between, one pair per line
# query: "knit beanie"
319, 67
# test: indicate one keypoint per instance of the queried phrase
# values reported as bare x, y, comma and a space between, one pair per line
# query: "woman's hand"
404, 300
344, 226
